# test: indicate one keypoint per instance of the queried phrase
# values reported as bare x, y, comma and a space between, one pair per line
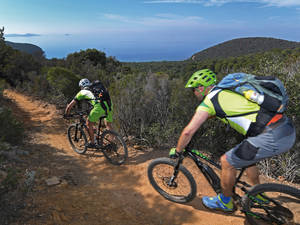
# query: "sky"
145, 30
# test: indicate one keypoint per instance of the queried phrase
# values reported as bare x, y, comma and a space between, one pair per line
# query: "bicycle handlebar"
80, 114
67, 116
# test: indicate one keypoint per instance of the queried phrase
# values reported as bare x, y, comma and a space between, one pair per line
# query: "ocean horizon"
59, 46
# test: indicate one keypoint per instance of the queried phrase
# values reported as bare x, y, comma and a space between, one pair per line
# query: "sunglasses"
195, 89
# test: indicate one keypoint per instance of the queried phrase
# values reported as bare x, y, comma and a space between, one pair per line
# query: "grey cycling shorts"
274, 140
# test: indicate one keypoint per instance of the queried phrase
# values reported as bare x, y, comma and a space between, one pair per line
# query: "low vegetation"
150, 101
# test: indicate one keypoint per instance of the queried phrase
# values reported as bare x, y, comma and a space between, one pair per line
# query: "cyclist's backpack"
101, 94
267, 91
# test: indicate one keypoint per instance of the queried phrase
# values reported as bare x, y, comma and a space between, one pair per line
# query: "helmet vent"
204, 77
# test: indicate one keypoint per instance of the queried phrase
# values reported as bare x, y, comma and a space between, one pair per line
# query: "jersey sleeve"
207, 106
84, 94
78, 96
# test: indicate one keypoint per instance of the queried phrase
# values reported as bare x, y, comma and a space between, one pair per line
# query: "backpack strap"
220, 112
263, 116
104, 107
215, 101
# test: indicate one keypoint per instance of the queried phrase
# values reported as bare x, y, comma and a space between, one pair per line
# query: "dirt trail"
93, 191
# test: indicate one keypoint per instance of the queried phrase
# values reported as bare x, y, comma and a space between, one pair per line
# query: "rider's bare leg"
109, 125
253, 175
90, 126
228, 176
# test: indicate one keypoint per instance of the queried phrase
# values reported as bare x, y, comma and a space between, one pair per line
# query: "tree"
2, 35
63, 80
91, 57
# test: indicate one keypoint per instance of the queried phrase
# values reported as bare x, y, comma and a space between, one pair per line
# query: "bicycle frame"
210, 175
99, 127
167, 175
82, 123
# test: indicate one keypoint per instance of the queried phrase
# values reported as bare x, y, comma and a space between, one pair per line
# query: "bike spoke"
114, 148
77, 139
163, 176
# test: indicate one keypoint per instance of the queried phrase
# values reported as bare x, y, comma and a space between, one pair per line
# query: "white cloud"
281, 3
158, 20
116, 17
278, 3
174, 1
203, 2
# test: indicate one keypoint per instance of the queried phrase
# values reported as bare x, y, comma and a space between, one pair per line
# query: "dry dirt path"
93, 191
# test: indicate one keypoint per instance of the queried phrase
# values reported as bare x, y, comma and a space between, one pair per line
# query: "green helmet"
203, 77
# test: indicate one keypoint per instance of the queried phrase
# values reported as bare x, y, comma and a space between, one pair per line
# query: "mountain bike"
173, 181
109, 142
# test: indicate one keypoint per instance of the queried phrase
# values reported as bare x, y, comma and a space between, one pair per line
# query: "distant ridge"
28, 48
243, 46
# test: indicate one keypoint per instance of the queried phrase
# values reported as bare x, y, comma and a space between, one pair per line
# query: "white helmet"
84, 83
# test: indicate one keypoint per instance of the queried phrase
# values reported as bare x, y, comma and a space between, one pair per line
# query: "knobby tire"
78, 143
284, 200
182, 190
115, 150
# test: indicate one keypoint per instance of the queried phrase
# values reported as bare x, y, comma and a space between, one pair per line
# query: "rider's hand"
173, 154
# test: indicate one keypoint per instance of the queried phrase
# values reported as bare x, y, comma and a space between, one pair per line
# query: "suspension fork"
176, 170
77, 128
76, 131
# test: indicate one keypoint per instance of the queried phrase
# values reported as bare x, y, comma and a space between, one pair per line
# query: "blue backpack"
267, 91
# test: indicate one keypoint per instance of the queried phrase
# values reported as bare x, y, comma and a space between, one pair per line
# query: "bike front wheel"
280, 204
113, 147
77, 138
180, 188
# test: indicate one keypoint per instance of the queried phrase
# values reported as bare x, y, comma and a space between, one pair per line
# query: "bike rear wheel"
113, 147
77, 138
182, 189
282, 205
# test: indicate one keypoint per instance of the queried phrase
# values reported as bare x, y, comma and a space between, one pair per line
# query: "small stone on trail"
53, 181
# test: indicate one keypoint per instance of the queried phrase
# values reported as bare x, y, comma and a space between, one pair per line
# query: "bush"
12, 130
63, 80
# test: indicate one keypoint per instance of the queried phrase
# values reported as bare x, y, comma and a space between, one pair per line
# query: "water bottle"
254, 96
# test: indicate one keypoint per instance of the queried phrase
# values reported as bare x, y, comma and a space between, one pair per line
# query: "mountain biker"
278, 135
86, 94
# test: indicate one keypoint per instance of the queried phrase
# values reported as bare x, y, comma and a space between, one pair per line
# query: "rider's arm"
69, 106
198, 119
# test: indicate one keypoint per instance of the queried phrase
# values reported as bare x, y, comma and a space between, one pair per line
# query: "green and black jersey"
240, 112
97, 110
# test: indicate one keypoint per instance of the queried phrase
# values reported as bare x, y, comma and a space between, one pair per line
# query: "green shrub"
63, 80
11, 130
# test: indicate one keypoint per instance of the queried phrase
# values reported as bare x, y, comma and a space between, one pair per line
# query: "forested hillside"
27, 48
243, 46
150, 101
